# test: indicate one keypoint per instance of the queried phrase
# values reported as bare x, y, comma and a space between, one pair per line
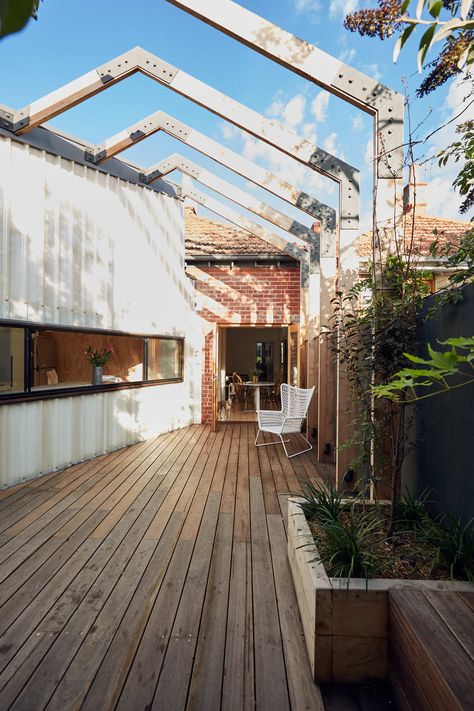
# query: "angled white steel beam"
160, 121
315, 65
188, 190
242, 198
247, 169
272, 132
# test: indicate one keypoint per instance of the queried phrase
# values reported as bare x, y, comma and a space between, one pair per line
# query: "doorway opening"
252, 363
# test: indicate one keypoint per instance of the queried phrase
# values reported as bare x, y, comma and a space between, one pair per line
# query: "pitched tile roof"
204, 237
426, 229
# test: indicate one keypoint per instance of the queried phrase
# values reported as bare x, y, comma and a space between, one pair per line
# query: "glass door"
215, 378
293, 354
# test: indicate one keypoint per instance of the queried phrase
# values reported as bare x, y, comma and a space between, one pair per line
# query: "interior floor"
244, 411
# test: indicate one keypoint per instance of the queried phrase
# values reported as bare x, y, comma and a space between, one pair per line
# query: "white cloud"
229, 132
372, 70
442, 199
276, 108
310, 132
369, 154
319, 106
330, 143
293, 112
457, 99
348, 55
287, 168
309, 8
340, 8
357, 122
306, 5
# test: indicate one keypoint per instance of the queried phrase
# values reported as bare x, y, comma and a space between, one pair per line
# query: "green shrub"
411, 509
322, 503
348, 550
455, 546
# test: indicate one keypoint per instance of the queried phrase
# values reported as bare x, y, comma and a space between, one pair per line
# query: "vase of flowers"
254, 375
98, 357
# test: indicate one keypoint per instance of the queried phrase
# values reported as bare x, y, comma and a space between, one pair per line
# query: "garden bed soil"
408, 555
345, 621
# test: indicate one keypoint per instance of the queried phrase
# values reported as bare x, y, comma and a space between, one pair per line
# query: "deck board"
155, 576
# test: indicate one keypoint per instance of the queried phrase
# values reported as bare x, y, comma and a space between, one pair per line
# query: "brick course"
248, 296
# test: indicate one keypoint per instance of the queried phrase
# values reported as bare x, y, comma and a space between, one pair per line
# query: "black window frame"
51, 392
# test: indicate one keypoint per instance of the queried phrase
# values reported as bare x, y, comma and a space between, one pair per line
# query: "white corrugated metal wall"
79, 247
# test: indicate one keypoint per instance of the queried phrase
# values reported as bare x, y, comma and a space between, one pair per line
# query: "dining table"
259, 384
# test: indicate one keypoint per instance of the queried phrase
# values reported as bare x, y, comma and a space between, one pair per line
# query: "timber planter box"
345, 625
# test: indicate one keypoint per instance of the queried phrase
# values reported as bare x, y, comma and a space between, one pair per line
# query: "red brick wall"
263, 296
207, 378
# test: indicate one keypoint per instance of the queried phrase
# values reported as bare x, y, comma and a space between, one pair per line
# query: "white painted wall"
79, 247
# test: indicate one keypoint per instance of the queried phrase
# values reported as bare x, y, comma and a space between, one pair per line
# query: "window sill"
50, 392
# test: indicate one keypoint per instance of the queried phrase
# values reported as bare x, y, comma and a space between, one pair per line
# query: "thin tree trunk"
398, 451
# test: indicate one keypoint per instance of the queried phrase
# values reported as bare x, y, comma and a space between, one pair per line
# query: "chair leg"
296, 454
274, 441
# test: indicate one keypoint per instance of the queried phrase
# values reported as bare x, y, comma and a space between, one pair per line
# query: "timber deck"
155, 577
432, 649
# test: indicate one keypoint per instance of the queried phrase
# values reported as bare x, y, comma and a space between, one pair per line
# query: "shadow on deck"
155, 577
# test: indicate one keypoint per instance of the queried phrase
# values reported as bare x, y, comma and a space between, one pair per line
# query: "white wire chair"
289, 420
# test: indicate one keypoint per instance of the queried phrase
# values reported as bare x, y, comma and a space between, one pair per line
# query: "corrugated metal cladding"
82, 248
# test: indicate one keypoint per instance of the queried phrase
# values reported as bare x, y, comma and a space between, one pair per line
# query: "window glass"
164, 359
12, 359
264, 358
66, 359
63, 358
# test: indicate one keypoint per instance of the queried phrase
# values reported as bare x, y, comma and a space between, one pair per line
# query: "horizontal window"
35, 359
164, 359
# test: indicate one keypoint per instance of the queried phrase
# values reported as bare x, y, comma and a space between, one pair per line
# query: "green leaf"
416, 359
459, 342
404, 6
435, 7
14, 14
425, 43
443, 360
401, 41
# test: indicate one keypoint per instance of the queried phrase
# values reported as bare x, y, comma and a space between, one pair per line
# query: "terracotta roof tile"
204, 237
426, 229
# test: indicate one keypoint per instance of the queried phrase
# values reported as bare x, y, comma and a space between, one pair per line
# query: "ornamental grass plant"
350, 537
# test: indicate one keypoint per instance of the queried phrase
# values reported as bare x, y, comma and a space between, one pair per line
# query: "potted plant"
98, 357
254, 374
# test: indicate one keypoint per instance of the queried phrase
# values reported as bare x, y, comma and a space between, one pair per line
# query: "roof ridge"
204, 236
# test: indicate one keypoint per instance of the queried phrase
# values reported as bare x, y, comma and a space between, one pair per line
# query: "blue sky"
71, 38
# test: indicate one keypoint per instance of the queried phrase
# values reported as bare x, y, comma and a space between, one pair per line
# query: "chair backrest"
295, 401
238, 385
236, 379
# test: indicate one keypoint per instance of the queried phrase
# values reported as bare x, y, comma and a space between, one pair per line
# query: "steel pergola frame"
384, 104
269, 131
161, 121
318, 67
